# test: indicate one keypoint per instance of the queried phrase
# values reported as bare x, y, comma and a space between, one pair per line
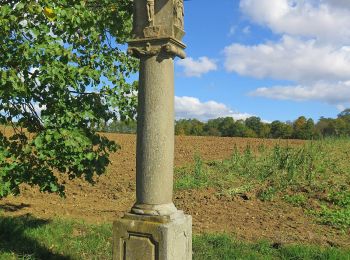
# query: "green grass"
221, 247
30, 238
317, 171
296, 200
198, 178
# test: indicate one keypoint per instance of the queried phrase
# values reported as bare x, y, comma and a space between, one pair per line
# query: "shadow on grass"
13, 238
9, 207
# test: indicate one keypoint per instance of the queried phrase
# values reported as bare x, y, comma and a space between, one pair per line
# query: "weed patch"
318, 171
192, 179
296, 199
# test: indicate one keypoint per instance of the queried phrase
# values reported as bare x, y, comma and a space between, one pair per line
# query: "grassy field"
315, 176
29, 238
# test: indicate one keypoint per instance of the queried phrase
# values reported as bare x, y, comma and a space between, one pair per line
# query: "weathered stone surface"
158, 19
158, 28
155, 139
149, 47
150, 238
156, 229
138, 247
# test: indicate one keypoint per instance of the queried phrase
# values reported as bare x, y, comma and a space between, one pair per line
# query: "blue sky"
274, 59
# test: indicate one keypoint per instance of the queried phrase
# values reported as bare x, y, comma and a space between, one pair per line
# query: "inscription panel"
140, 247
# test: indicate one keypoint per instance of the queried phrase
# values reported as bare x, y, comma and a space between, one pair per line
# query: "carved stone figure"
150, 12
179, 13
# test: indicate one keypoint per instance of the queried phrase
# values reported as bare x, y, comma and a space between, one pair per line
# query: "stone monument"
155, 228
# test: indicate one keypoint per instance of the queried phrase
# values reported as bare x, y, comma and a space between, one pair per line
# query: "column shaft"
155, 136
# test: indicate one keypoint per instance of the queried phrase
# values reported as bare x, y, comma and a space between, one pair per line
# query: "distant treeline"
301, 128
124, 127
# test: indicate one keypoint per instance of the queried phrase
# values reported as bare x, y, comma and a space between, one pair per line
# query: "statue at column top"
179, 13
158, 27
150, 12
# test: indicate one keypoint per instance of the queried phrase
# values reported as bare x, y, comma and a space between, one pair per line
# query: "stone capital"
156, 46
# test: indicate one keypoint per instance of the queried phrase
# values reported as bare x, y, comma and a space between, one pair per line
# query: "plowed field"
114, 194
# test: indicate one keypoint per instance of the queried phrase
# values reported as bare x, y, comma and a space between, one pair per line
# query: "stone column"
155, 139
155, 228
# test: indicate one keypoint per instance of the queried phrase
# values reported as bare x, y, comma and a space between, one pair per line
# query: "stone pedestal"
137, 237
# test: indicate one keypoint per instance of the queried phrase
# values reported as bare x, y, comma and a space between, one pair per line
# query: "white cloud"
321, 19
341, 107
191, 107
332, 93
289, 59
196, 68
313, 50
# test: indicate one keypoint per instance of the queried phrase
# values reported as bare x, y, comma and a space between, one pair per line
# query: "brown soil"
114, 194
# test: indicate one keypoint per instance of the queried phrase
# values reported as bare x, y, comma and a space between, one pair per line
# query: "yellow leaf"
49, 13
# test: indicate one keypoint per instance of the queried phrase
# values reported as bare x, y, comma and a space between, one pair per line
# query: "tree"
345, 114
277, 129
304, 128
280, 130
345, 117
212, 127
189, 127
265, 130
62, 71
226, 126
240, 129
182, 127
299, 128
126, 127
326, 127
341, 126
254, 123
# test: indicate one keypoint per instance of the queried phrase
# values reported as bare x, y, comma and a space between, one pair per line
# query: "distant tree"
341, 126
254, 123
189, 127
345, 114
277, 128
326, 127
240, 129
265, 130
281, 130
117, 126
182, 127
212, 127
226, 126
211, 131
304, 128
196, 127
288, 131
310, 132
249, 133
299, 128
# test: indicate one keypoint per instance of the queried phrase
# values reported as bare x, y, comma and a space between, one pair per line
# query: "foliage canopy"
63, 70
